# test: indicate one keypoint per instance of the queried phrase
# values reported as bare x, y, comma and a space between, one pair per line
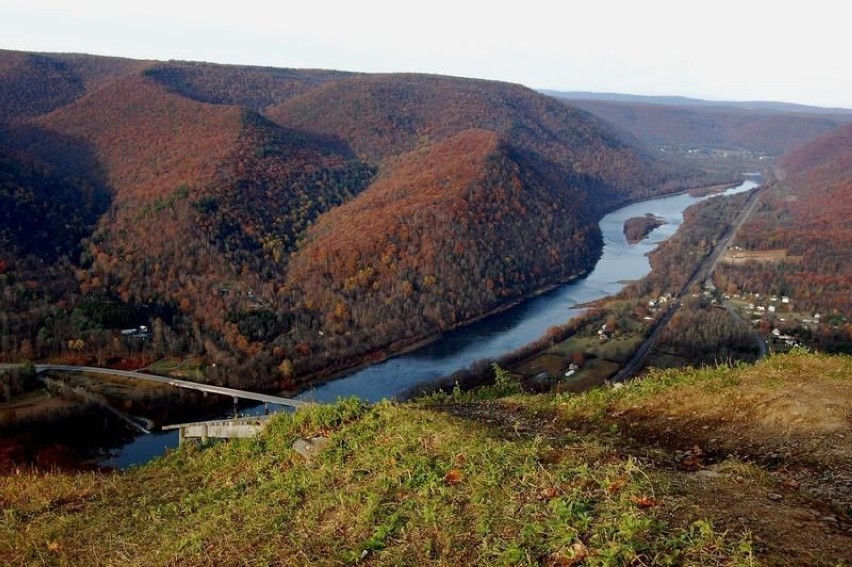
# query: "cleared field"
553, 364
177, 367
737, 257
602, 360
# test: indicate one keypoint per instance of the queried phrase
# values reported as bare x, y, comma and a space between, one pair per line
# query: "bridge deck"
221, 390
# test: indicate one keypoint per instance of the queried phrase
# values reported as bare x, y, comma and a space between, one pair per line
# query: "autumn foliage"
758, 130
282, 222
806, 213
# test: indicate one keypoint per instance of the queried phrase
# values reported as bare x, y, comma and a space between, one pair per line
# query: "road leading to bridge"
221, 390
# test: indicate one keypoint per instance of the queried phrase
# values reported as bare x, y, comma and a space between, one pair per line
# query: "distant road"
701, 273
221, 390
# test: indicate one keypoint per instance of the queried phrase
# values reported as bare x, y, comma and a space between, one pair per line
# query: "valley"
494, 325
304, 223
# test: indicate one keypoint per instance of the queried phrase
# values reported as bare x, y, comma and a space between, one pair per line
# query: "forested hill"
382, 116
765, 130
443, 235
256, 88
188, 187
805, 217
37, 83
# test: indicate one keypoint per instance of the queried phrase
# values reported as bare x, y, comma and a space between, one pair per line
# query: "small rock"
619, 385
774, 496
310, 447
829, 519
707, 473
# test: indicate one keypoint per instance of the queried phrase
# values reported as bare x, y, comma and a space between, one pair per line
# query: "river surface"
492, 336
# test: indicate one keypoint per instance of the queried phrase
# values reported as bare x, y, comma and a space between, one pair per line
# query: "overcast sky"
722, 49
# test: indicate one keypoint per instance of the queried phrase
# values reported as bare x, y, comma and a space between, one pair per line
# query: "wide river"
492, 336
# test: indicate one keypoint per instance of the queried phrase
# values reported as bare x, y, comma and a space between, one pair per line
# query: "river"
492, 336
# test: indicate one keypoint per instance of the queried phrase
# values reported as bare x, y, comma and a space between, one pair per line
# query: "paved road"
701, 273
232, 392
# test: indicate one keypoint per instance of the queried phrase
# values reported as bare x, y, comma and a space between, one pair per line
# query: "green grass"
396, 485
400, 484
185, 367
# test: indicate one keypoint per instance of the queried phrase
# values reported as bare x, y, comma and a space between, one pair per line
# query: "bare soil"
737, 257
770, 456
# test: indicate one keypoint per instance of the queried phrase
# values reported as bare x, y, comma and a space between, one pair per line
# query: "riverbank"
514, 327
403, 348
325, 376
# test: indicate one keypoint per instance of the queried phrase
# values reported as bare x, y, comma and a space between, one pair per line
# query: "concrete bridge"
221, 390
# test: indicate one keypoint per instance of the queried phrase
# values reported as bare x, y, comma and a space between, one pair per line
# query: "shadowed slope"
381, 116
37, 83
253, 87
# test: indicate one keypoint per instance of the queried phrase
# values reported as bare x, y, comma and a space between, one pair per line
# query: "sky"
719, 50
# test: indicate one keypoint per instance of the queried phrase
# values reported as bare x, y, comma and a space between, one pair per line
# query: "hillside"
37, 83
769, 132
202, 201
721, 466
382, 116
256, 88
43, 217
696, 102
803, 223
443, 235
189, 185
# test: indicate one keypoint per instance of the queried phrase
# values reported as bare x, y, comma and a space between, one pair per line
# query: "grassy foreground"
489, 478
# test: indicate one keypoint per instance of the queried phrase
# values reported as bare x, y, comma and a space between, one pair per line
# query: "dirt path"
769, 456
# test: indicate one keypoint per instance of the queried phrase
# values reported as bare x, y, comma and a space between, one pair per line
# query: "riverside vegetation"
747, 468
